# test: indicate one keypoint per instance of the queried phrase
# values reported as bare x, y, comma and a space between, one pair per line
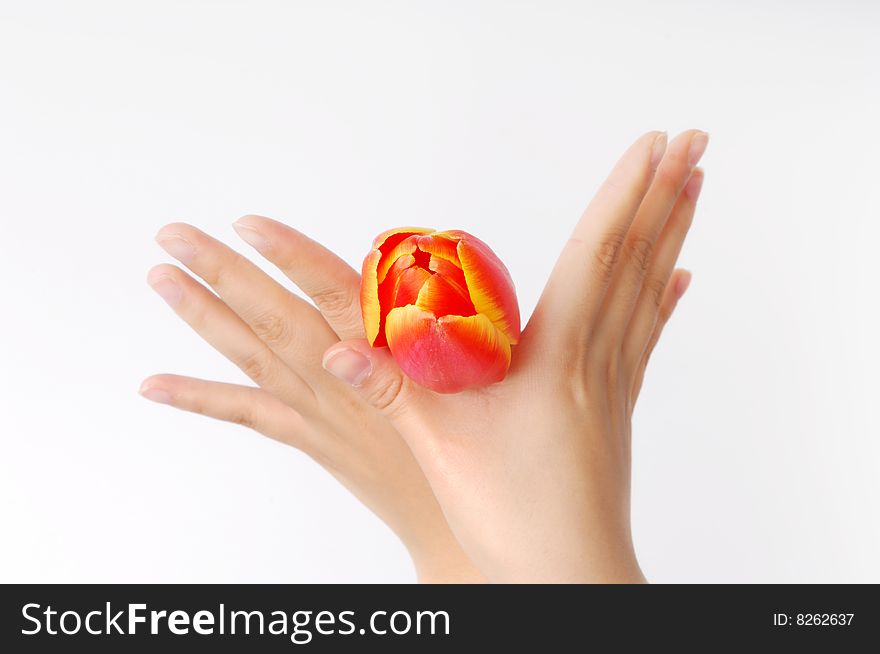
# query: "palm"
542, 459
277, 340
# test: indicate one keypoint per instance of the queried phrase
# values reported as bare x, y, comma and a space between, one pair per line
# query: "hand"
277, 339
533, 473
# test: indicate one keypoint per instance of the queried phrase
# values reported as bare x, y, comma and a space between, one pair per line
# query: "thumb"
373, 373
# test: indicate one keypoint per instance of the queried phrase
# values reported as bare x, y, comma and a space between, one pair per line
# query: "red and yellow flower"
443, 303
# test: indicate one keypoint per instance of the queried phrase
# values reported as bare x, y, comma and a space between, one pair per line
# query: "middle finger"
287, 324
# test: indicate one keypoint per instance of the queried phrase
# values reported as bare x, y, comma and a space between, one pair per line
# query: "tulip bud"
444, 305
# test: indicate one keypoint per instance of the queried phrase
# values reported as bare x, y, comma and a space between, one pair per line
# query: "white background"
756, 455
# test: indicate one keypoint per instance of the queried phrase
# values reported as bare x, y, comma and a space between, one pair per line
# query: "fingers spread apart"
285, 323
215, 322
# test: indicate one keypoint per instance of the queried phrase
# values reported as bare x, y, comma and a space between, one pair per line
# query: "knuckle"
606, 254
667, 177
244, 417
223, 269
199, 406
387, 397
334, 303
655, 289
638, 252
199, 316
273, 329
258, 366
670, 180
213, 276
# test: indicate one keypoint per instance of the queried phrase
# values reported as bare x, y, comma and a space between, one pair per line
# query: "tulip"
443, 303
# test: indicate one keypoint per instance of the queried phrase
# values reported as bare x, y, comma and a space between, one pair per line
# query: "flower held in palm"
443, 303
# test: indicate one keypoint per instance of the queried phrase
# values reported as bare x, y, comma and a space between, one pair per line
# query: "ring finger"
228, 334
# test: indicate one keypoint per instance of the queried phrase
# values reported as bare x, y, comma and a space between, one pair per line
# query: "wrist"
444, 565
447, 575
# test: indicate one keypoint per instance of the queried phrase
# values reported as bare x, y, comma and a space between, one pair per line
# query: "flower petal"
408, 286
454, 235
406, 246
451, 273
490, 285
388, 288
441, 298
448, 354
371, 310
391, 237
401, 286
441, 247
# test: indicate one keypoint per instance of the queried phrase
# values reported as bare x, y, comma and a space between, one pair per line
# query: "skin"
277, 339
532, 474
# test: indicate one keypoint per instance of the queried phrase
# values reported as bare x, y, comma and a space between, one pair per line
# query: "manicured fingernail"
156, 395
695, 183
167, 289
348, 365
251, 236
699, 141
684, 280
658, 149
177, 247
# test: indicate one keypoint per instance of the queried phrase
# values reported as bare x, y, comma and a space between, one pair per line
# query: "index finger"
330, 282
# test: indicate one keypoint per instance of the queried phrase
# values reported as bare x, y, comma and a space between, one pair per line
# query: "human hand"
277, 339
533, 473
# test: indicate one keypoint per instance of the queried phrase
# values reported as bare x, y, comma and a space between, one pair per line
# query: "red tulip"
443, 303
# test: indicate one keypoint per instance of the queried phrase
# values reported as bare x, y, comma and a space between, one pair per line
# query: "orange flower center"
432, 282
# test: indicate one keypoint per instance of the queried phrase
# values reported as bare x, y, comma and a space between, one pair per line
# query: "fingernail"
251, 236
177, 247
156, 395
695, 183
167, 289
699, 141
684, 280
658, 149
348, 365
